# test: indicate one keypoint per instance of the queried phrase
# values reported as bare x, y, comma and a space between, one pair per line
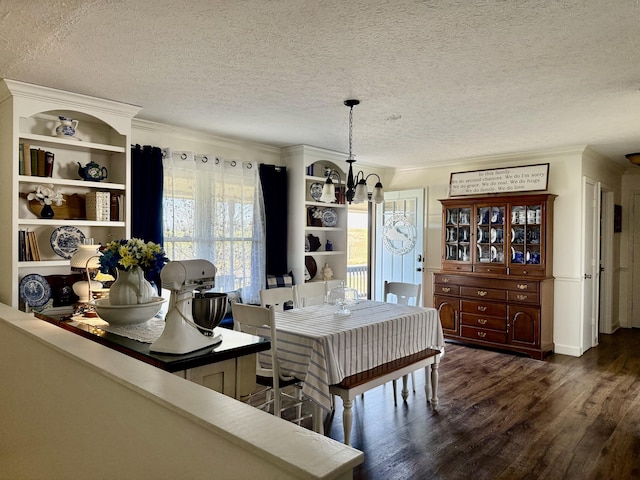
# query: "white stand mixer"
181, 334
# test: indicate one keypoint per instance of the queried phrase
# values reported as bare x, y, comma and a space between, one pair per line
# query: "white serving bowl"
127, 314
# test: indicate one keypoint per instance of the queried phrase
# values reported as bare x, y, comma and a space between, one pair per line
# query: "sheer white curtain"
213, 209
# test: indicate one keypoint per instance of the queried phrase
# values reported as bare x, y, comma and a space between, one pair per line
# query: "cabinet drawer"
527, 271
484, 321
484, 293
484, 308
523, 297
446, 289
522, 286
443, 278
492, 269
456, 267
482, 334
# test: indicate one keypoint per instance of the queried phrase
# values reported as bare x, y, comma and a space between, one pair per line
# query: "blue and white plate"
66, 240
329, 217
34, 290
315, 189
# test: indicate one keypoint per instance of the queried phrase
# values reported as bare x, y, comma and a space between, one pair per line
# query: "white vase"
130, 288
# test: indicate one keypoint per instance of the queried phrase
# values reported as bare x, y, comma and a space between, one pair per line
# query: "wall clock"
399, 234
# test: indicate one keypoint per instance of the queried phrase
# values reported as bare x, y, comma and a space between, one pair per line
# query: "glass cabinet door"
458, 234
526, 234
490, 235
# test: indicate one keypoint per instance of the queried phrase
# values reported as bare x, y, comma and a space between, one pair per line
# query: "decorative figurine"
327, 272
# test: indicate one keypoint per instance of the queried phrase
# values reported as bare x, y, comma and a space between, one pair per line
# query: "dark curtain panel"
274, 191
146, 196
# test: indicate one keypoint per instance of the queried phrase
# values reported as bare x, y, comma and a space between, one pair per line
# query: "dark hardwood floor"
508, 417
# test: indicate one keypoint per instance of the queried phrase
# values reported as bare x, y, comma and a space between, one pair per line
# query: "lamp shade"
361, 192
633, 158
378, 193
328, 192
87, 256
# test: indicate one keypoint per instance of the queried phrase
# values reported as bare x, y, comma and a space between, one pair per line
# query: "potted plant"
46, 196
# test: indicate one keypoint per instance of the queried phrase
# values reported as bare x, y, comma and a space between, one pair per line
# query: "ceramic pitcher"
130, 288
67, 127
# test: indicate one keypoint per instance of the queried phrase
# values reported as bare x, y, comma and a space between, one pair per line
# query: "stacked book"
28, 250
98, 206
34, 161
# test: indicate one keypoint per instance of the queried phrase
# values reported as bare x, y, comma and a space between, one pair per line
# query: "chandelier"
356, 191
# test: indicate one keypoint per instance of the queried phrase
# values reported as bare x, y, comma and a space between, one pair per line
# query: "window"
358, 248
213, 209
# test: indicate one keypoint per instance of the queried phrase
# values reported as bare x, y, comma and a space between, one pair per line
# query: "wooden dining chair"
404, 294
310, 293
278, 297
248, 319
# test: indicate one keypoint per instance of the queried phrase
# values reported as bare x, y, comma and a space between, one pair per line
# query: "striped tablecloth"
322, 349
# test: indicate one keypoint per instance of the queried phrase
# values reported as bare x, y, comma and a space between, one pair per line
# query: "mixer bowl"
208, 310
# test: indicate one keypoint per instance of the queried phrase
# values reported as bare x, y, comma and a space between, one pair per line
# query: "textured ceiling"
438, 80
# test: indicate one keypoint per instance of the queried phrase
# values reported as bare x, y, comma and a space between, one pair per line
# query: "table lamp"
86, 258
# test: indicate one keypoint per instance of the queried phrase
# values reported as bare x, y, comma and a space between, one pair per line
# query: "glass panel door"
526, 234
490, 234
458, 234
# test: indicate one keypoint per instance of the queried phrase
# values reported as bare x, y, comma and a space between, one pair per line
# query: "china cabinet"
496, 284
317, 230
30, 115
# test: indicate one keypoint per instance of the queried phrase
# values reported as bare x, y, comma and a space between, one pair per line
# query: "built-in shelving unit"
305, 168
29, 115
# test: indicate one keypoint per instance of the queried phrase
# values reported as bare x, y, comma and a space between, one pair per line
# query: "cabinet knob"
522, 297
522, 286
445, 280
482, 293
446, 289
482, 308
482, 321
482, 334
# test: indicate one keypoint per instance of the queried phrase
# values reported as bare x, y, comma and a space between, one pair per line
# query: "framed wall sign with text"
500, 180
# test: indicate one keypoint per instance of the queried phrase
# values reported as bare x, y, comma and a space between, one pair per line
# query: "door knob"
587, 276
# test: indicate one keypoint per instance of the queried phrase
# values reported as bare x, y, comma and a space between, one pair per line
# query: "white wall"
72, 408
565, 180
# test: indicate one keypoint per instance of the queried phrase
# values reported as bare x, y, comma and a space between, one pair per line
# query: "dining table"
324, 350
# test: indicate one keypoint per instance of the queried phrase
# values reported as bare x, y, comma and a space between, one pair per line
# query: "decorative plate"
65, 240
311, 266
329, 217
315, 189
34, 290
